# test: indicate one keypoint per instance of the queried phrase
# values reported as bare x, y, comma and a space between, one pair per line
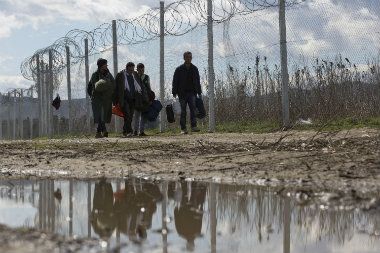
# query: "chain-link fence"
333, 63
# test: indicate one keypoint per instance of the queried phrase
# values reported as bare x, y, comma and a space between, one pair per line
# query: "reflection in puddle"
138, 215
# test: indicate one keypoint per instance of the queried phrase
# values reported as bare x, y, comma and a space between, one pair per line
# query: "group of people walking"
131, 91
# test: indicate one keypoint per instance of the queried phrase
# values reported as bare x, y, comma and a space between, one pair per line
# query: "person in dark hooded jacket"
101, 88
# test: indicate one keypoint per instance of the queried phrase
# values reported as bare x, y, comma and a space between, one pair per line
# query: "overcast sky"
324, 27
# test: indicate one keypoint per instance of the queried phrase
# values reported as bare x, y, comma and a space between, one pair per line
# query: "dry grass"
323, 91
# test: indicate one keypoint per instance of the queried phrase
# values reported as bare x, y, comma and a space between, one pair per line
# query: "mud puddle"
144, 215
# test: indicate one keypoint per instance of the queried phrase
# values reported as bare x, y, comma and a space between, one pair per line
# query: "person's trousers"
129, 108
187, 100
98, 111
101, 121
139, 122
101, 127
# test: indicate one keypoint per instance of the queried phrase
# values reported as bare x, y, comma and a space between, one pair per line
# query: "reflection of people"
103, 219
175, 192
135, 208
188, 216
147, 199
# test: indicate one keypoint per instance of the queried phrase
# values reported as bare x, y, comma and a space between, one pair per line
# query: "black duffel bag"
153, 111
170, 113
200, 111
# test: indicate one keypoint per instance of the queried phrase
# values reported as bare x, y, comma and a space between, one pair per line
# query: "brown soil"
345, 160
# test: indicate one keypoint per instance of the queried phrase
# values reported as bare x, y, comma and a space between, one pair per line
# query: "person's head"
130, 67
187, 57
102, 65
140, 69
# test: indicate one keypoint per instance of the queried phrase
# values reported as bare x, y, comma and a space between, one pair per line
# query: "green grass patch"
227, 127
247, 127
270, 126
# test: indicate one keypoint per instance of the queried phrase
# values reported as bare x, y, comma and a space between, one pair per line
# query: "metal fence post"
39, 95
1, 116
20, 115
50, 94
9, 117
162, 64
45, 84
30, 128
14, 114
211, 74
87, 73
284, 67
69, 86
115, 63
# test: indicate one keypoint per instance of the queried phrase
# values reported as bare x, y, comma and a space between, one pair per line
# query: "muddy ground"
347, 162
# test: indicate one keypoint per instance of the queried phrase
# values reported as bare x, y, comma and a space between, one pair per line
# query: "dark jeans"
188, 99
101, 127
129, 108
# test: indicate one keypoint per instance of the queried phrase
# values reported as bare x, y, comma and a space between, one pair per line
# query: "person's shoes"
184, 131
142, 134
105, 134
98, 135
195, 129
135, 133
126, 134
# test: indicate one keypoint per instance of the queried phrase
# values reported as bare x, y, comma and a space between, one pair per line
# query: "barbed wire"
181, 17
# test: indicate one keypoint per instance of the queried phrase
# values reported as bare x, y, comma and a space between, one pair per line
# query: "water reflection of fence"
46, 206
240, 206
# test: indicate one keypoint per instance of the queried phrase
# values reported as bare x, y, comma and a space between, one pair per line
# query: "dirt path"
346, 160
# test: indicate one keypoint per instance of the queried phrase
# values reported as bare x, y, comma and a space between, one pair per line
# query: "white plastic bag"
177, 107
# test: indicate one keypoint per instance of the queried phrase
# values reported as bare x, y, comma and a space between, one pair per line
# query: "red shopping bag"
116, 109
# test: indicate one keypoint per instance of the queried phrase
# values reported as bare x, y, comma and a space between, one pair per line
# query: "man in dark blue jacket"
186, 85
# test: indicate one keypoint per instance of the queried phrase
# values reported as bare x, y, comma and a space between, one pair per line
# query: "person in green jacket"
101, 89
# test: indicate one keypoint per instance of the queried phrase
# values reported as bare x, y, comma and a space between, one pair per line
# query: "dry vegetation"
322, 91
